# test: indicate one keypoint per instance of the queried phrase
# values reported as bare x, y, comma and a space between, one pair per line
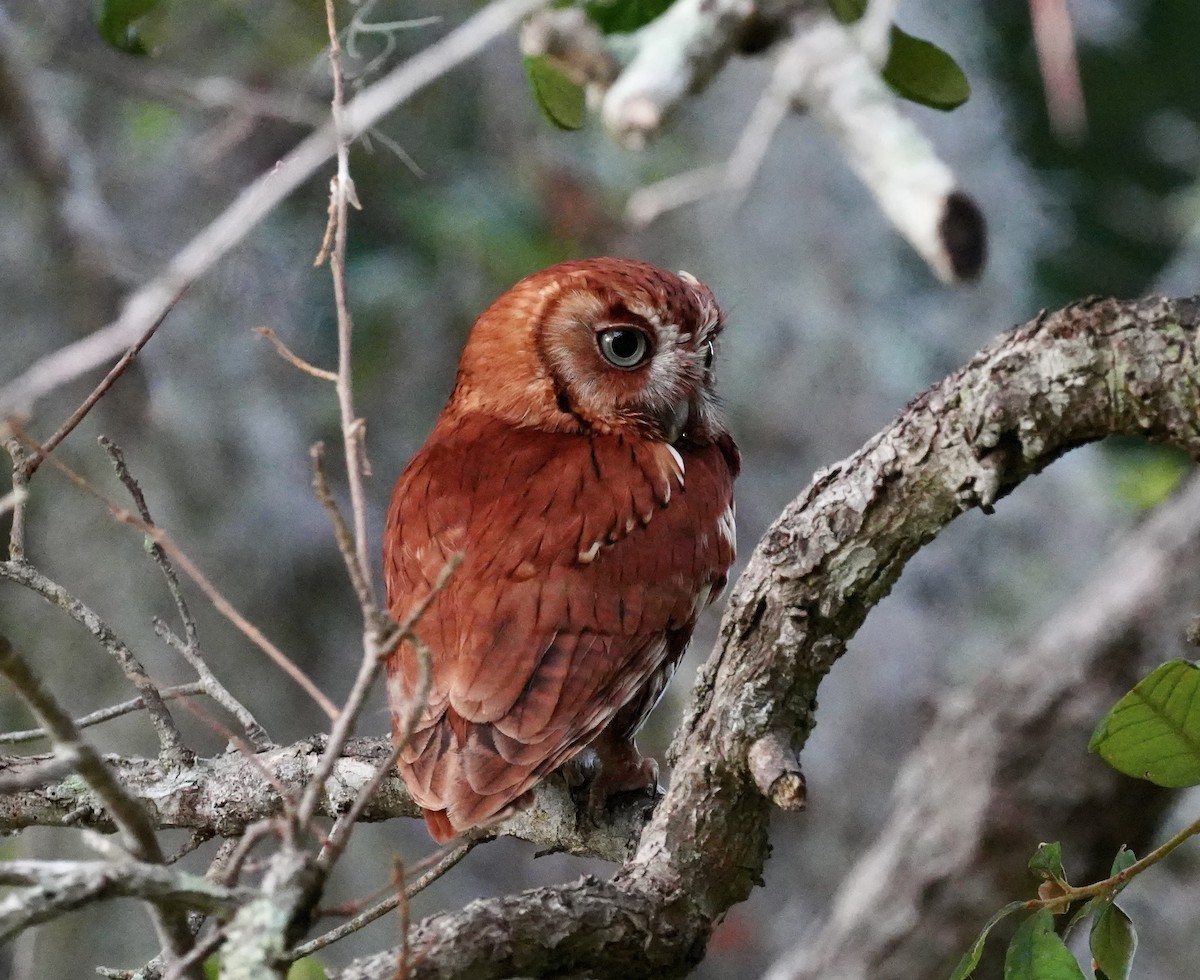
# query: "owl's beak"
676, 420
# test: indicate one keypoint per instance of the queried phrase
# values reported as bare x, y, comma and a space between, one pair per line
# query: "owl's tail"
440, 828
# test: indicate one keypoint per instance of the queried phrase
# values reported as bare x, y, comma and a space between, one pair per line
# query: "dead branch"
137, 832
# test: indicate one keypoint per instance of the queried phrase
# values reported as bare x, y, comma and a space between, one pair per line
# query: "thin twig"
294, 359
344, 537
735, 176
257, 200
159, 536
190, 650
339, 834
343, 195
77, 416
169, 738
108, 714
448, 861
18, 497
137, 831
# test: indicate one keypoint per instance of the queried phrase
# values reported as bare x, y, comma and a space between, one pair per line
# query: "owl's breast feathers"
586, 559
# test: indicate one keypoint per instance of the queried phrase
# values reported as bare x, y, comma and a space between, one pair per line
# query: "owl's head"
607, 344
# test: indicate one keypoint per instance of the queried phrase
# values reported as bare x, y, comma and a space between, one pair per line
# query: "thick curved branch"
1092, 370
1005, 765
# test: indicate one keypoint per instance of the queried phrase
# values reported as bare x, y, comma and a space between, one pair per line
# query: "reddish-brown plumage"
589, 543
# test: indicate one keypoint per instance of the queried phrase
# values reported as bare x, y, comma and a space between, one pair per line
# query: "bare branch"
136, 829
190, 649
979, 792
444, 864
25, 574
15, 501
108, 714
228, 793
149, 302
60, 886
35, 459
294, 359
226, 608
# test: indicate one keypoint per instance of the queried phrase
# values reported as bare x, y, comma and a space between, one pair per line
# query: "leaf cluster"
1152, 733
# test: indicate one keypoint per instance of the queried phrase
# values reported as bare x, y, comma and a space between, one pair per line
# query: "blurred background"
834, 324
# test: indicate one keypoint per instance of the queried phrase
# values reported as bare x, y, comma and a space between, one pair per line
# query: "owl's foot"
622, 769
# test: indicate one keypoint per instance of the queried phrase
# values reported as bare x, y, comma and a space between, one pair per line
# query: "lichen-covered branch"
55, 887
1091, 370
225, 795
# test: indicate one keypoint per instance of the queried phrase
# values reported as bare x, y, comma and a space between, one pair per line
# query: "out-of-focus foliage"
1119, 191
119, 23
1154, 731
922, 72
622, 16
560, 99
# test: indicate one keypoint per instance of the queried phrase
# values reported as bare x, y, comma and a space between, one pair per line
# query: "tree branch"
979, 793
257, 200
1094, 369
227, 794
60, 886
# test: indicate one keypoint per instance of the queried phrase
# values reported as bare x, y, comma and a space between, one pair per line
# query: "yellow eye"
623, 347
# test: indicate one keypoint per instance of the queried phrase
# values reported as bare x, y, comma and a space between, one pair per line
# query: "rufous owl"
584, 475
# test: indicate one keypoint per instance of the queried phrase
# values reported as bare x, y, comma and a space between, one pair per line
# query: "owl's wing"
586, 561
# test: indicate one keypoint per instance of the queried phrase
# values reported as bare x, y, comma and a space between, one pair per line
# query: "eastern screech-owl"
582, 471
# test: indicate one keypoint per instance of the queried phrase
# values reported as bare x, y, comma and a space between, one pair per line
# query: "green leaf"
1147, 476
1124, 859
1046, 862
848, 11
117, 20
1113, 943
308, 968
922, 72
970, 959
1154, 731
623, 16
1037, 953
559, 98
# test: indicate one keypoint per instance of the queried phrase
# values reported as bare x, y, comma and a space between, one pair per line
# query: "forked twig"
171, 741
137, 831
189, 650
214, 595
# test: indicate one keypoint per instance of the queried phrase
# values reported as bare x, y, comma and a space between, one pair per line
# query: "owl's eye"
708, 356
623, 347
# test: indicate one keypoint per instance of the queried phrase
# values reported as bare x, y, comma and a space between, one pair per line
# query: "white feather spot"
727, 528
587, 557
678, 462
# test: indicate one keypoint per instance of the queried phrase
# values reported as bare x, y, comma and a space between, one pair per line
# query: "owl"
582, 472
